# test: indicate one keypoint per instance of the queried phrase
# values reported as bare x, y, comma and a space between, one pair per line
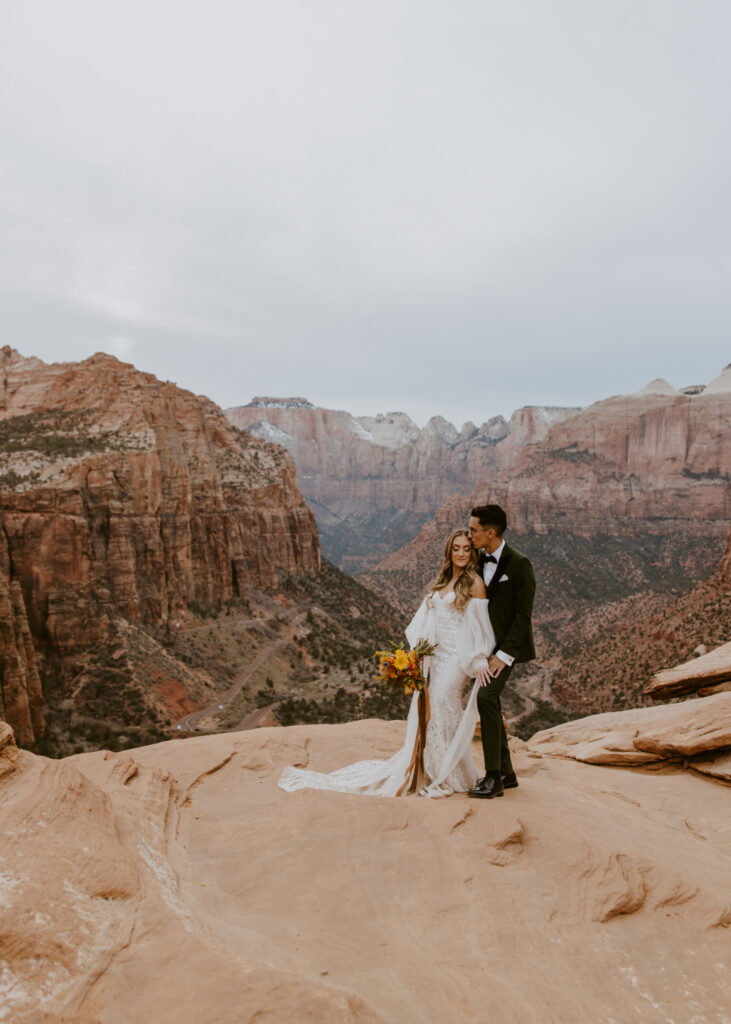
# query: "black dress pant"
494, 738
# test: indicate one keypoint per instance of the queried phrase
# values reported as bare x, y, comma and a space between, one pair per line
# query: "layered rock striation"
123, 496
373, 480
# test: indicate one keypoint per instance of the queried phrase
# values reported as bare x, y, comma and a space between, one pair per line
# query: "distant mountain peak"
722, 384
439, 427
658, 386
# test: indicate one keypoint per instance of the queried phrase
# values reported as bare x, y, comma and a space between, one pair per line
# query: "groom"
510, 584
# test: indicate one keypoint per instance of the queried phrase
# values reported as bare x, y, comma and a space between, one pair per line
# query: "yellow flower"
401, 660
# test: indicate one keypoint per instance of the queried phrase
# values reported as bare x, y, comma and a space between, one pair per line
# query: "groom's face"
481, 536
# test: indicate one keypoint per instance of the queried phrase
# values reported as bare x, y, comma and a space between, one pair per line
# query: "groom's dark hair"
491, 515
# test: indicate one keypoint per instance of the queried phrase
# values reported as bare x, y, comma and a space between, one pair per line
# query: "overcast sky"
456, 207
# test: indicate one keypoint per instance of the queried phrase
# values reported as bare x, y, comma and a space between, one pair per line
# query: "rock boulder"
669, 732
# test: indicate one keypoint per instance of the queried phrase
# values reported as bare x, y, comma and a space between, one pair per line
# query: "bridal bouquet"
404, 668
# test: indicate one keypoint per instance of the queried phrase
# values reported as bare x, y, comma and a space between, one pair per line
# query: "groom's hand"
495, 665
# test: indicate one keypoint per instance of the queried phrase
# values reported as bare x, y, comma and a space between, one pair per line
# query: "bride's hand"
483, 676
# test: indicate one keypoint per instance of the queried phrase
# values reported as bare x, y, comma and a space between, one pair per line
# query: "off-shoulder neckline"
451, 593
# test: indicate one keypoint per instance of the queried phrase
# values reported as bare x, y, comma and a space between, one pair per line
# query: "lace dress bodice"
448, 623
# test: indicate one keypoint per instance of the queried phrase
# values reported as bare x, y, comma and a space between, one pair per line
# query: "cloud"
120, 347
433, 207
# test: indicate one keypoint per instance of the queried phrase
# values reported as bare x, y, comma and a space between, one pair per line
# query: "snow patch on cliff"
266, 431
392, 430
360, 431
552, 414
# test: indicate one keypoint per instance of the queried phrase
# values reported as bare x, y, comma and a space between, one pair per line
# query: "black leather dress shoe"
510, 781
488, 787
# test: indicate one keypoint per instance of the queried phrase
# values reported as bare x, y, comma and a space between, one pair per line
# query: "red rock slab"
642, 735
709, 691
719, 766
693, 727
708, 670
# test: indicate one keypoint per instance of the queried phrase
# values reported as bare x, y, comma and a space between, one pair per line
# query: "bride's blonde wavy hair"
463, 586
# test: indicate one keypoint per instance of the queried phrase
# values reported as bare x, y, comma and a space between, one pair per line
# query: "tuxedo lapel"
499, 571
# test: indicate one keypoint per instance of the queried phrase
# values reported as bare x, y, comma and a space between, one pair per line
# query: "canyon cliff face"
373, 480
123, 497
21, 697
652, 462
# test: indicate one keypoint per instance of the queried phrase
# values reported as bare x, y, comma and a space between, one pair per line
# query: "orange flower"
401, 659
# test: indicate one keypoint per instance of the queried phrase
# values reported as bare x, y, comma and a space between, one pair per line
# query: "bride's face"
461, 552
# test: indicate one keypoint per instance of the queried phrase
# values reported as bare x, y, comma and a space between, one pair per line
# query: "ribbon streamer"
416, 776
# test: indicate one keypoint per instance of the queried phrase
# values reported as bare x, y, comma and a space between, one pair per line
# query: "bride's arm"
422, 624
476, 638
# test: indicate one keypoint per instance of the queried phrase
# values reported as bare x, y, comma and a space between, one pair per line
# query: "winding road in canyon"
190, 723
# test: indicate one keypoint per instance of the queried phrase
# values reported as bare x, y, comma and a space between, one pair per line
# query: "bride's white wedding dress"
464, 640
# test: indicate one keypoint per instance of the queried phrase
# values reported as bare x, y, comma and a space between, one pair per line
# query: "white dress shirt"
488, 571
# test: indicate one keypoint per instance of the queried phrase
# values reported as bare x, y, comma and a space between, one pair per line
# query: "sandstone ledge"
705, 672
643, 735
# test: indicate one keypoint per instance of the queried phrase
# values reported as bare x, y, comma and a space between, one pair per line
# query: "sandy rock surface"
179, 883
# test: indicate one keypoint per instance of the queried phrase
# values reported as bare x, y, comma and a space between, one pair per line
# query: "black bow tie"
491, 558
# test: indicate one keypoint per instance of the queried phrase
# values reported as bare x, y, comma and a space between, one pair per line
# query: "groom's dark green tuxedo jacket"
510, 605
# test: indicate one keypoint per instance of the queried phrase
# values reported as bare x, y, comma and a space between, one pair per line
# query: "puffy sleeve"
423, 625
476, 639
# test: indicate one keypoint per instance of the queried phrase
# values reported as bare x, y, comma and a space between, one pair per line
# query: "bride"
454, 617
